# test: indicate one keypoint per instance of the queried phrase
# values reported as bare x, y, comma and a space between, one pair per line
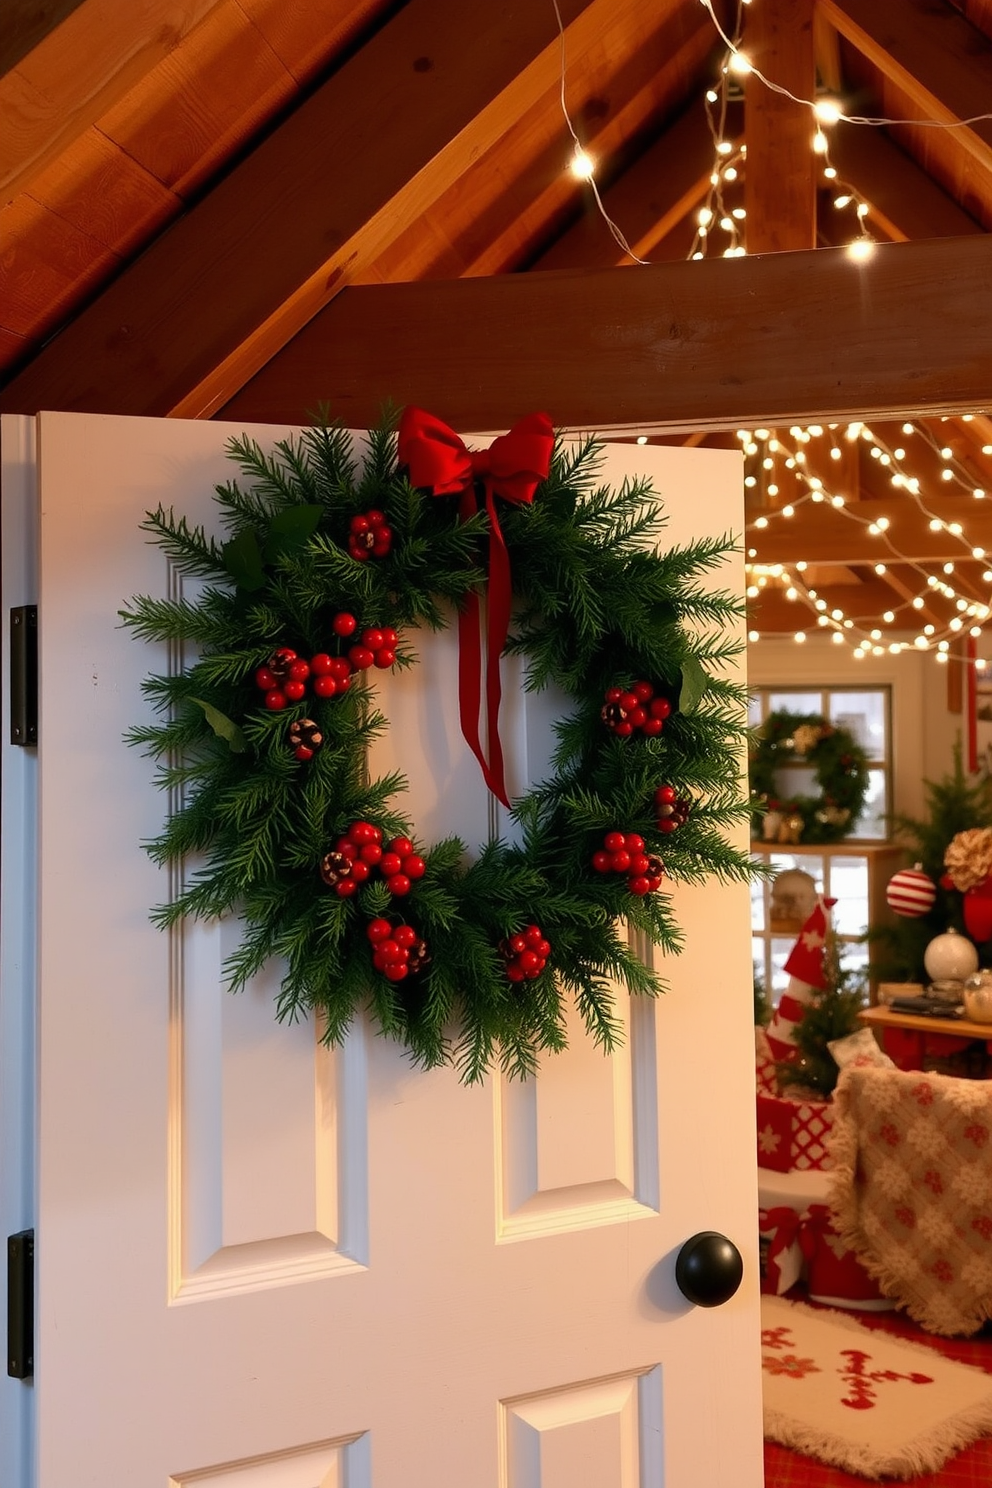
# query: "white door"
266, 1265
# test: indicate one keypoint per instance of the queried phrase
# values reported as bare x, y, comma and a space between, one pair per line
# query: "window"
866, 713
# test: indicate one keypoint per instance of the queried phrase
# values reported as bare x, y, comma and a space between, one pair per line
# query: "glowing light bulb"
642, 439
583, 166
819, 143
880, 568
739, 64
889, 616
754, 635
860, 250
799, 637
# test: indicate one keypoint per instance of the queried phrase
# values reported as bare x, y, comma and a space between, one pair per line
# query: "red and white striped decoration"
910, 893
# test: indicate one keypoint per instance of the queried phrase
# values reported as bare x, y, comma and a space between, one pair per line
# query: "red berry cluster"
359, 850
285, 675
369, 536
623, 852
635, 710
397, 951
526, 954
673, 809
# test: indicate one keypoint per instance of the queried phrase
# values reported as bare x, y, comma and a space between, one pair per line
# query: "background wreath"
464, 957
840, 765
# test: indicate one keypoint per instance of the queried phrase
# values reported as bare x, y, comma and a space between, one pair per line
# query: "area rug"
869, 1403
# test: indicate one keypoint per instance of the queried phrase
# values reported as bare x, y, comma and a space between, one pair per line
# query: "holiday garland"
329, 565
839, 763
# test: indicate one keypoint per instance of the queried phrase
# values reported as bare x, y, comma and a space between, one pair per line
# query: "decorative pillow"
858, 1049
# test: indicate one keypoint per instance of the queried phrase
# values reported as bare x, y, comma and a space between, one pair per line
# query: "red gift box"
833, 1273
766, 1075
792, 1133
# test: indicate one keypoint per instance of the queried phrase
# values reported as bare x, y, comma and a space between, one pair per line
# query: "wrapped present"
834, 1275
792, 1133
781, 1259
765, 1073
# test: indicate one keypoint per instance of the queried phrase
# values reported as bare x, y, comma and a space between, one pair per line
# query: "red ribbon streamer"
512, 468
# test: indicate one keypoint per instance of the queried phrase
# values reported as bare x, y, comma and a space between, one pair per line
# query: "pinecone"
655, 868
612, 714
306, 734
280, 662
419, 957
673, 814
334, 866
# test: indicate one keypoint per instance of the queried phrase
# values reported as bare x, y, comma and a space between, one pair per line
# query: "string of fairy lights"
772, 452
769, 453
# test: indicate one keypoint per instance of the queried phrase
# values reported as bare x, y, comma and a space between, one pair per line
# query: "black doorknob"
709, 1268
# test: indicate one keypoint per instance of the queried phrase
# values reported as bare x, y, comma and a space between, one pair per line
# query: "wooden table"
883, 1019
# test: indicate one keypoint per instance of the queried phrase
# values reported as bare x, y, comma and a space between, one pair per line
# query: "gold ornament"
968, 858
805, 738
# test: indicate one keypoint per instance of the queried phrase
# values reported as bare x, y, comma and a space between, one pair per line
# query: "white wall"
924, 732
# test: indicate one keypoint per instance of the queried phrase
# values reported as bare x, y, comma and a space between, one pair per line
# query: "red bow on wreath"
512, 468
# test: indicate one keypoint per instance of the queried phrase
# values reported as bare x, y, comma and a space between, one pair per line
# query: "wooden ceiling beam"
780, 180
657, 190
939, 60
719, 343
77, 70
214, 297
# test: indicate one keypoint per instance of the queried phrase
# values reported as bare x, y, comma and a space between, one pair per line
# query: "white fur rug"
862, 1399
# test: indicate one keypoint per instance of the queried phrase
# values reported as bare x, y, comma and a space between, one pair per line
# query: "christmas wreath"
328, 565
839, 763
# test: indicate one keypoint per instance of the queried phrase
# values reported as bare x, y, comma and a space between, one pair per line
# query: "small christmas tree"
832, 1015
834, 995
954, 804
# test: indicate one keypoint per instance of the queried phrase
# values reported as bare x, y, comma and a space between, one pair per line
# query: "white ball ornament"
950, 957
911, 893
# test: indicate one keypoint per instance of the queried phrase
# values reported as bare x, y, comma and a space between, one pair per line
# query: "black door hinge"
20, 1305
24, 674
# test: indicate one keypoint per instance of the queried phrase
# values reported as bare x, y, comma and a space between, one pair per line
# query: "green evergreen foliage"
248, 823
954, 803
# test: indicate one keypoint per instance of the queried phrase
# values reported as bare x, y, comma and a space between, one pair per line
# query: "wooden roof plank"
903, 199
77, 71
227, 285
939, 60
711, 344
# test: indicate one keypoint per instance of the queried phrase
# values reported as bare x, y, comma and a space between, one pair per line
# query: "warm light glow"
826, 111
860, 250
583, 166
739, 64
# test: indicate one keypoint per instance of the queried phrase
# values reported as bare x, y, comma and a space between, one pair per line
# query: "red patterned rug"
868, 1402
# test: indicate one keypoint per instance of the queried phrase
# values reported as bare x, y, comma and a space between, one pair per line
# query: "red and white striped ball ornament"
911, 892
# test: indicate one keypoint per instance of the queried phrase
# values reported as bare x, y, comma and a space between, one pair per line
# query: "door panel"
264, 1264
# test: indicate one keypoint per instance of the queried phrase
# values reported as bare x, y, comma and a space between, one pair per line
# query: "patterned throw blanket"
911, 1190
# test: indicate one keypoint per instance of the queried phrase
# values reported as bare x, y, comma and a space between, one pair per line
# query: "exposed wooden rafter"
233, 280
